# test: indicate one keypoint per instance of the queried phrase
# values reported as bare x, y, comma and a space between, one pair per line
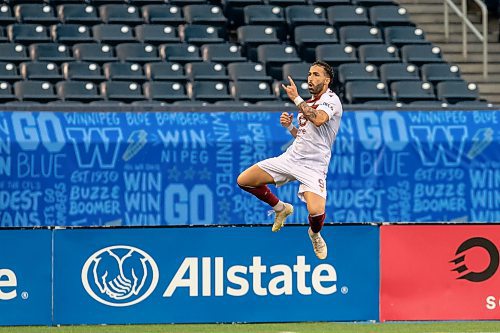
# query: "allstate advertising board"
189, 275
172, 168
25, 277
440, 272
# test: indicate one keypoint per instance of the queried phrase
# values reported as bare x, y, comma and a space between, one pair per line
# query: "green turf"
429, 327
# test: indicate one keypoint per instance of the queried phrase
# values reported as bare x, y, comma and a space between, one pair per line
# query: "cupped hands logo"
120, 275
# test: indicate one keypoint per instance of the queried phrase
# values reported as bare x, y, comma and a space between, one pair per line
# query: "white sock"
279, 206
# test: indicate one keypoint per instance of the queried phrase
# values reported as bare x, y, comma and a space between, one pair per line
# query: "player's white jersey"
313, 145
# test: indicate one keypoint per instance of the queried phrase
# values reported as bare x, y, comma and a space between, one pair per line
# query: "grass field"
427, 327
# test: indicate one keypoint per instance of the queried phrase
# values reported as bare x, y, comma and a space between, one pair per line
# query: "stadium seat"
164, 71
135, 52
399, 72
286, 3
81, 71
183, 3
50, 52
180, 52
383, 16
357, 72
27, 33
11, 52
456, 91
156, 34
223, 53
122, 71
329, 3
336, 54
420, 54
206, 71
297, 15
378, 54
112, 33
345, 15
162, 14
148, 103
274, 56
78, 14
383, 104
37, 91
307, 37
8, 72
362, 91
277, 103
121, 91
209, 91
435, 73
204, 14
302, 89
6, 16
251, 36
474, 104
264, 15
370, 3
106, 103
360, 34
190, 103
297, 70
6, 92
120, 14
233, 104
233, 9
247, 71
429, 104
70, 34
65, 104
409, 91
400, 36
91, 52
46, 71
77, 91
35, 13
252, 91
199, 34
165, 91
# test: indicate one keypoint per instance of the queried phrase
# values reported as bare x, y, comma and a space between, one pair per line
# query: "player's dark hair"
328, 69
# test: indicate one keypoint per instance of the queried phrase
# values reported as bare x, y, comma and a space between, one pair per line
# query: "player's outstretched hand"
286, 119
291, 90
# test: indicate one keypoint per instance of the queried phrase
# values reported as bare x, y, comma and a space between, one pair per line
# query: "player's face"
317, 80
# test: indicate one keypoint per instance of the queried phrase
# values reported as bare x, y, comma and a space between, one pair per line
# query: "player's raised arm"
286, 121
317, 117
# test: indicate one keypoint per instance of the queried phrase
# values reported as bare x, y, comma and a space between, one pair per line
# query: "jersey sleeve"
331, 105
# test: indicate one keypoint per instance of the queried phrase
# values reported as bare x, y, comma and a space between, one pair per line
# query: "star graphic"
174, 174
204, 174
189, 174
223, 218
224, 205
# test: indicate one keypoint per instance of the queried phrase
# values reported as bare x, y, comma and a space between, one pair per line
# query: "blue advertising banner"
195, 275
171, 168
26, 277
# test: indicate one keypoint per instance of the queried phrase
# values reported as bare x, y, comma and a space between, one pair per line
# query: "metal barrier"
466, 22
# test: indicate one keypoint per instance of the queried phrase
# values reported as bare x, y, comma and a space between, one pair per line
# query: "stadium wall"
180, 168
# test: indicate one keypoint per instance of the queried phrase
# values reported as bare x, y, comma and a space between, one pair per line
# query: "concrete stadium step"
471, 47
479, 78
471, 57
477, 68
456, 37
488, 87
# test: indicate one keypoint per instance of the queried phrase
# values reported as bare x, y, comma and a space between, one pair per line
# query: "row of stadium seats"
210, 71
213, 91
292, 16
201, 34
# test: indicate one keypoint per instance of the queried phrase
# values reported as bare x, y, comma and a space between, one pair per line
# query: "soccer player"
307, 159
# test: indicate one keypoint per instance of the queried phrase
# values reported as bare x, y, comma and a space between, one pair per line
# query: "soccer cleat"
319, 244
279, 219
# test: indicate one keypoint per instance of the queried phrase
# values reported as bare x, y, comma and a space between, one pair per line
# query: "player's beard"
315, 89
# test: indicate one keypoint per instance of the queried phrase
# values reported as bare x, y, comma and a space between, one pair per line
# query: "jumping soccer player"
307, 159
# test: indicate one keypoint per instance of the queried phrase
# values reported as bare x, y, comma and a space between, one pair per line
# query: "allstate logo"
120, 275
